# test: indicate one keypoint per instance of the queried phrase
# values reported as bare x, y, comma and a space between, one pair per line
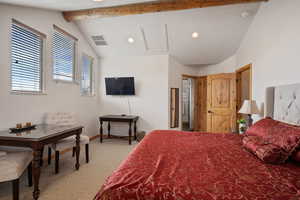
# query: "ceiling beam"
148, 7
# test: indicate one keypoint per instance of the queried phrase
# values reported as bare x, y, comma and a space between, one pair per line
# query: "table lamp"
249, 108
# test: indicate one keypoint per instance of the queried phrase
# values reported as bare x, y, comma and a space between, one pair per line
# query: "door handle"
210, 111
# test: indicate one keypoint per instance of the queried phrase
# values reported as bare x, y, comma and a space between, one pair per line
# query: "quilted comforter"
174, 165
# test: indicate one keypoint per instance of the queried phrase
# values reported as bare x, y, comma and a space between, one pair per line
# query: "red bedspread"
172, 165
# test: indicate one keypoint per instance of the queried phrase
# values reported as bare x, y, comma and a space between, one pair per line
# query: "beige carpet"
75, 185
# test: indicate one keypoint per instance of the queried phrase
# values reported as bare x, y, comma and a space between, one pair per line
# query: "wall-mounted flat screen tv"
120, 86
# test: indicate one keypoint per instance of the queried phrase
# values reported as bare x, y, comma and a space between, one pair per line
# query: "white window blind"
63, 56
87, 75
26, 58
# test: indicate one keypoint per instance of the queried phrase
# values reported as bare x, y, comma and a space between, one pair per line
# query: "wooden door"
202, 104
221, 103
244, 86
174, 108
196, 104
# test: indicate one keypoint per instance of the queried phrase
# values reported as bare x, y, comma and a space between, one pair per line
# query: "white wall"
151, 99
227, 66
154, 76
59, 97
176, 70
272, 45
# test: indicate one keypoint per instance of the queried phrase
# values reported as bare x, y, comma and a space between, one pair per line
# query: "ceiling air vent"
99, 40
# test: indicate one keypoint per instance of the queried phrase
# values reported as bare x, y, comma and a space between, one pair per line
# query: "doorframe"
238, 85
189, 76
195, 78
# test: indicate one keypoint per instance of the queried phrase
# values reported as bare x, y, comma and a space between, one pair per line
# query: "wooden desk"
119, 118
36, 139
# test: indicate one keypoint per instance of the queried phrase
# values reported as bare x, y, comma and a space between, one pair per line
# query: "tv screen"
120, 86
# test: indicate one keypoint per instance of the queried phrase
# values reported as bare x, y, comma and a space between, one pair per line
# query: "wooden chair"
13, 163
65, 119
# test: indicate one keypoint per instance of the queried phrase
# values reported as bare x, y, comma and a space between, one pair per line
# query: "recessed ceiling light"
195, 35
98, 0
131, 40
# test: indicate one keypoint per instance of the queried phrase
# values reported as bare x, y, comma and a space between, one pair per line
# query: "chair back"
61, 118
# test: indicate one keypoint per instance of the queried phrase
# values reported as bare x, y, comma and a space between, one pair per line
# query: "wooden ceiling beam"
149, 7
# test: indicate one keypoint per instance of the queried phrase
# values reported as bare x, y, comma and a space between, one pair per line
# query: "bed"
175, 165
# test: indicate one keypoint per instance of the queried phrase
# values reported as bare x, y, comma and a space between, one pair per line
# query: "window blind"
63, 56
87, 75
26, 59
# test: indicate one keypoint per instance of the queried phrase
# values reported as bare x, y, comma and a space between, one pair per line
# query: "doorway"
243, 86
188, 113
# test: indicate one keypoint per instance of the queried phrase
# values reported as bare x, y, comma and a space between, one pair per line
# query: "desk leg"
41, 160
135, 129
77, 165
101, 131
108, 128
129, 134
36, 171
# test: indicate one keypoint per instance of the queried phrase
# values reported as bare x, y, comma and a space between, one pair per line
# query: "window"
26, 58
87, 75
63, 55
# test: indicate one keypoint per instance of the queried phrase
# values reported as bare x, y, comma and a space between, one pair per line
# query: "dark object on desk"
36, 139
119, 118
18, 130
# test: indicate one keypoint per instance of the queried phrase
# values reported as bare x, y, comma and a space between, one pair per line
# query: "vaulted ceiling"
221, 30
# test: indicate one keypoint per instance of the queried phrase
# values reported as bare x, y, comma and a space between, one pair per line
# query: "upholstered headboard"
283, 103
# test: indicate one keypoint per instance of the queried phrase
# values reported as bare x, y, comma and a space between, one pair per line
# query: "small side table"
130, 119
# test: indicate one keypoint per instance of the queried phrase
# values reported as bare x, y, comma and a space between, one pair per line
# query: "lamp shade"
249, 107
